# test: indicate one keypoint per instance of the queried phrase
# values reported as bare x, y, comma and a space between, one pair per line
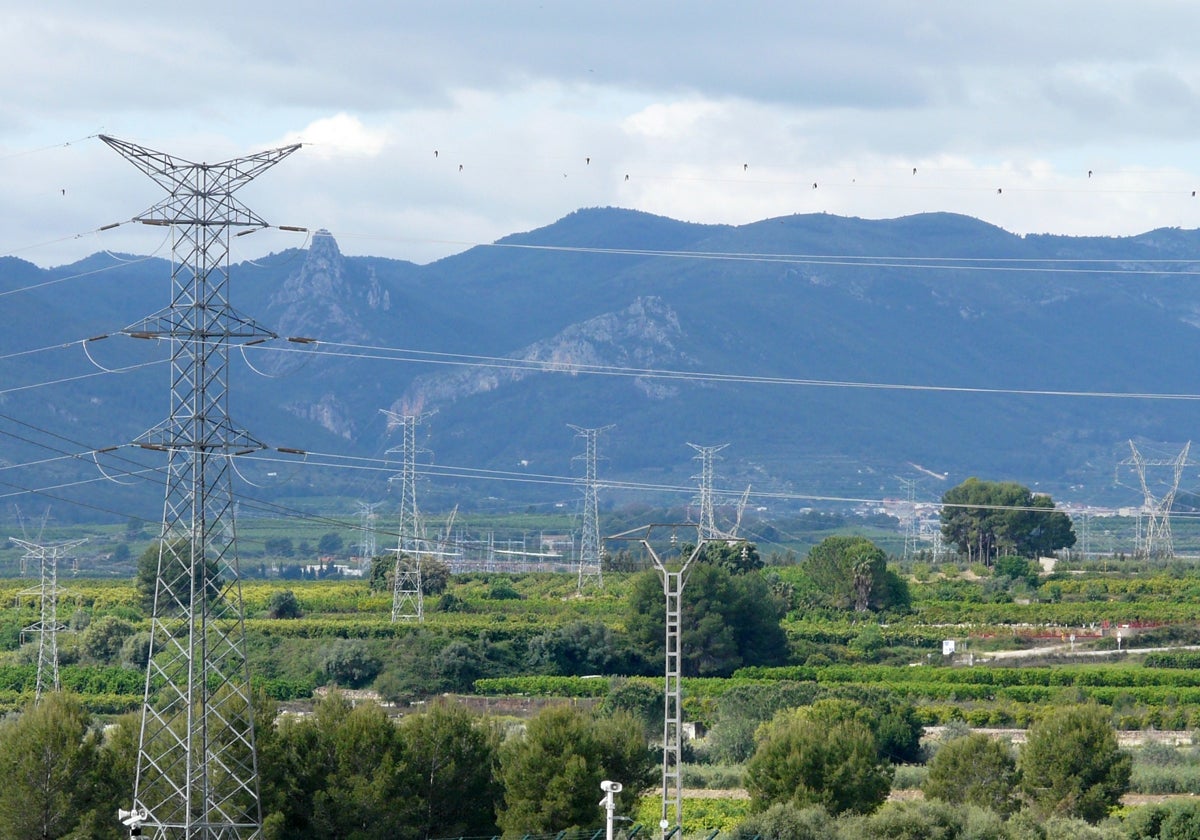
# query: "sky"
428, 127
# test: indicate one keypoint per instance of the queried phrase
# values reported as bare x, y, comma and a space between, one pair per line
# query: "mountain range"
837, 357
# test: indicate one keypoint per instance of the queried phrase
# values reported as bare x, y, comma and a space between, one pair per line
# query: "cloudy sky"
431, 126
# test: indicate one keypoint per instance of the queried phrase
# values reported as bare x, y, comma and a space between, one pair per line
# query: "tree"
284, 604
450, 758
578, 649
825, 754
48, 761
330, 543
737, 557
103, 639
172, 566
728, 620
435, 574
852, 573
279, 547
743, 708
352, 773
974, 770
986, 519
552, 773
350, 663
1071, 764
362, 784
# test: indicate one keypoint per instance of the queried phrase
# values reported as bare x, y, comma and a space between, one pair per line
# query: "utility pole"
706, 455
589, 541
408, 601
197, 767
48, 592
673, 562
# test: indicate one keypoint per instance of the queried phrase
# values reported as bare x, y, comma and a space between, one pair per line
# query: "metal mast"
367, 517
910, 516
197, 769
408, 601
673, 567
589, 541
47, 626
706, 455
1156, 541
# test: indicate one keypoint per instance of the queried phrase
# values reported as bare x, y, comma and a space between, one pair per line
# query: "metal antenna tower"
589, 541
197, 767
48, 592
673, 567
910, 516
367, 517
1156, 540
706, 455
408, 601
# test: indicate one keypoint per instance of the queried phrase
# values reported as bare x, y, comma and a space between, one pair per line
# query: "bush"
349, 663
284, 604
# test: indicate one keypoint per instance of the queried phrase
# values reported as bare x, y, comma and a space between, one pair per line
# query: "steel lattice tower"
48, 592
673, 567
589, 541
706, 455
197, 768
1157, 540
408, 601
367, 516
910, 516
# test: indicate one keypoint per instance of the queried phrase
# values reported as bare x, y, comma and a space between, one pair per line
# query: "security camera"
610, 787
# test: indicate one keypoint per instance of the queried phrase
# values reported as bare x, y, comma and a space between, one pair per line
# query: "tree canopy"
729, 620
552, 773
986, 519
852, 573
824, 754
974, 769
1071, 764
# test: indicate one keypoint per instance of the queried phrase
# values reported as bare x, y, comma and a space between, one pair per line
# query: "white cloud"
726, 114
341, 134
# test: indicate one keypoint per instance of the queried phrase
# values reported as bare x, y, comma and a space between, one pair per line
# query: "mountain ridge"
829, 352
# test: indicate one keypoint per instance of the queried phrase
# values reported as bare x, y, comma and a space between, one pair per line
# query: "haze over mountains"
705, 333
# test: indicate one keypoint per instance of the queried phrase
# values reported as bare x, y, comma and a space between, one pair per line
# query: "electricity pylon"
673, 562
367, 517
1156, 540
589, 541
706, 455
408, 601
910, 516
197, 768
48, 592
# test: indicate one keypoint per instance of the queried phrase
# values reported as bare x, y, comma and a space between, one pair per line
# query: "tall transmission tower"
706, 455
589, 541
197, 767
366, 518
910, 516
1155, 539
48, 592
408, 601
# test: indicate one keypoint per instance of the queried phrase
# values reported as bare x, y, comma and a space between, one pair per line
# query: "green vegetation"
791, 669
987, 519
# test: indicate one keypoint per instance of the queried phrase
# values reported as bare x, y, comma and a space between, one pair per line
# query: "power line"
381, 353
